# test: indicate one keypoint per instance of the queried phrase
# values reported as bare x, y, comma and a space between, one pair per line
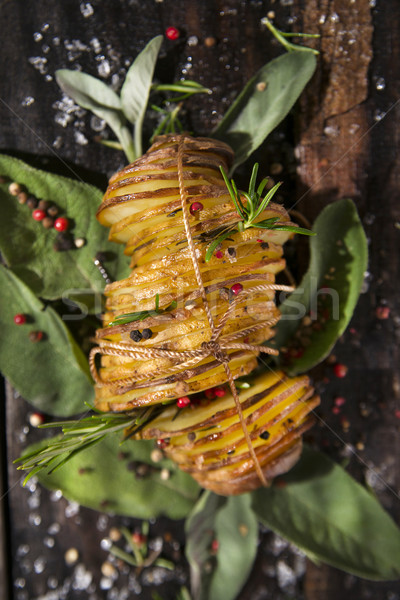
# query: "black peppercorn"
135, 335
64, 241
32, 202
43, 204
146, 334
265, 435
52, 211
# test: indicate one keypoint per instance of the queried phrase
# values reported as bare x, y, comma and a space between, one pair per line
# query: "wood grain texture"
342, 141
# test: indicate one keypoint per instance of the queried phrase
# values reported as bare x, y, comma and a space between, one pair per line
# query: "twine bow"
218, 345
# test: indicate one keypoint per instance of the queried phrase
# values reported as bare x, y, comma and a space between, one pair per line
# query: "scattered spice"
19, 319
38, 214
340, 401
35, 336
22, 197
265, 435
14, 188
172, 33
79, 242
135, 335
219, 254
219, 392
196, 207
182, 402
340, 370
382, 312
162, 443
210, 41
236, 288
36, 419
43, 204
61, 224
32, 202
64, 241
165, 474
156, 455
147, 334
48, 222
52, 211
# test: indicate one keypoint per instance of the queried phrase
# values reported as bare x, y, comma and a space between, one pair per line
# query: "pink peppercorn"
38, 214
382, 312
340, 370
219, 254
236, 288
19, 319
219, 392
61, 224
340, 401
182, 402
172, 33
196, 207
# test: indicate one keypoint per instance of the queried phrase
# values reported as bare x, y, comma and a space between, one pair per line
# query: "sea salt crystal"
27, 101
87, 9
80, 138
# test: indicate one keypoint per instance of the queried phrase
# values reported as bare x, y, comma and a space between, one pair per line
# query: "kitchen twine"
217, 346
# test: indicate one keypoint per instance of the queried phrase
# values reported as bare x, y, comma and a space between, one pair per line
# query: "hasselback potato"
187, 323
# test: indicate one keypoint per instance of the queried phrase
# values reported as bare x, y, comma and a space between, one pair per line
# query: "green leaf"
94, 95
52, 373
136, 89
338, 261
232, 524
29, 249
199, 529
330, 516
236, 530
103, 477
256, 112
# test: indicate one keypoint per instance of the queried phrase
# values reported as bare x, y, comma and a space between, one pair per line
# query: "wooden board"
342, 141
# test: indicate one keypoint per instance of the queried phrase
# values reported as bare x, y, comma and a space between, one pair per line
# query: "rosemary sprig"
143, 314
78, 435
254, 207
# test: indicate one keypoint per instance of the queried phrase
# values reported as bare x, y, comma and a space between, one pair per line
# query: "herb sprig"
78, 435
255, 205
143, 314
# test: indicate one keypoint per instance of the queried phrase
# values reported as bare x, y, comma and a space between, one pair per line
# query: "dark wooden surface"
342, 141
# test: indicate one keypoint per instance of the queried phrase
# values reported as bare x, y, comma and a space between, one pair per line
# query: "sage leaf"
231, 523
329, 290
332, 518
52, 374
258, 109
199, 529
27, 247
105, 477
136, 88
94, 95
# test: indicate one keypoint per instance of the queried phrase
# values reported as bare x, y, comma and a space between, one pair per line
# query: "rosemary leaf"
216, 242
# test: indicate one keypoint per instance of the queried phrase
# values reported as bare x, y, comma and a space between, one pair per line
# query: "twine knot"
215, 349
